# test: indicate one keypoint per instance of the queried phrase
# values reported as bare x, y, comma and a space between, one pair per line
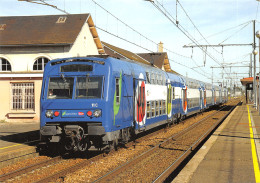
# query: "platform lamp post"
254, 79
258, 89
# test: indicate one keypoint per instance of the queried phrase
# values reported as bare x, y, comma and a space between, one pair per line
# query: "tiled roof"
44, 30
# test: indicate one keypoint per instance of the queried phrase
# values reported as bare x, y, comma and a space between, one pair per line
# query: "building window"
22, 96
4, 65
40, 63
2, 26
61, 20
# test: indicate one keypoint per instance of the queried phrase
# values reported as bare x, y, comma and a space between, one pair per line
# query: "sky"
143, 26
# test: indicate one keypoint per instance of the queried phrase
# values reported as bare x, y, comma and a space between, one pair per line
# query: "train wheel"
115, 144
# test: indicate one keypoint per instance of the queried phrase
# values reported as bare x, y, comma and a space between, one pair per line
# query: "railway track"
27, 169
62, 173
179, 150
156, 156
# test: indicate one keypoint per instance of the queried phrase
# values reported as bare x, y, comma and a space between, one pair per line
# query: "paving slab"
227, 155
15, 141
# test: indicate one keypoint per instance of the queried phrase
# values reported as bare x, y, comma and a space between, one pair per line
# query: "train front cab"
73, 102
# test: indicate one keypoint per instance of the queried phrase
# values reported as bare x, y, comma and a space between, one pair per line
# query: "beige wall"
9, 115
22, 60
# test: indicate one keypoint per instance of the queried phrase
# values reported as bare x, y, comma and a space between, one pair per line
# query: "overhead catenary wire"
194, 25
181, 28
53, 6
140, 35
235, 33
184, 31
228, 29
135, 30
203, 74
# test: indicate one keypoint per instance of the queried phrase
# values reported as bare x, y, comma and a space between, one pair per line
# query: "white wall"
84, 44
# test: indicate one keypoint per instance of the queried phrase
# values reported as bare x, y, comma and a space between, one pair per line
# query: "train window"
148, 76
89, 87
117, 91
163, 81
60, 88
153, 108
163, 107
155, 78
160, 80
152, 78
148, 110
173, 93
157, 108
76, 68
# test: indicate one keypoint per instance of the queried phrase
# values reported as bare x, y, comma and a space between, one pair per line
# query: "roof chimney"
160, 47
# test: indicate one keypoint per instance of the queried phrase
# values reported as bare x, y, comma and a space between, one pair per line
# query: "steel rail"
61, 174
109, 176
162, 177
28, 168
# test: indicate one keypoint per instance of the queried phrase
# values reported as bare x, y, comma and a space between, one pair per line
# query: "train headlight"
97, 113
56, 113
49, 113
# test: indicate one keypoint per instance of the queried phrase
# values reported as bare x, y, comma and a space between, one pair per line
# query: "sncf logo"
81, 113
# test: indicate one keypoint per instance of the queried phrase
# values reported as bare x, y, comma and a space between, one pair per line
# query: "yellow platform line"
10, 146
254, 156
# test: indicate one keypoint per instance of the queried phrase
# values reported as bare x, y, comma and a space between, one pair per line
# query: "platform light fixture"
257, 34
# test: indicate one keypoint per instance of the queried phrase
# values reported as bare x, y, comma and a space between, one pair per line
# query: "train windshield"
60, 88
89, 87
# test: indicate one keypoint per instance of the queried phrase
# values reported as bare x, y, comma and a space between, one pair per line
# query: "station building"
27, 43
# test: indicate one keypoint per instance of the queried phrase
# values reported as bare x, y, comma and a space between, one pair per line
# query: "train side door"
205, 98
140, 103
169, 101
184, 100
201, 99
127, 98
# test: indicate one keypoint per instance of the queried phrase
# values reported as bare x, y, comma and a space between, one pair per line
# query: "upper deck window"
60, 88
89, 87
76, 68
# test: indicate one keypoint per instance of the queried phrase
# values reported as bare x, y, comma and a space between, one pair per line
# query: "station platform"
231, 154
17, 141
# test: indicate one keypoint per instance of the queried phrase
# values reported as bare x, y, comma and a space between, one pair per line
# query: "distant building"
27, 43
156, 59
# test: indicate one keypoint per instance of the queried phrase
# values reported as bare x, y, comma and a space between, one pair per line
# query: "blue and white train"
93, 102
